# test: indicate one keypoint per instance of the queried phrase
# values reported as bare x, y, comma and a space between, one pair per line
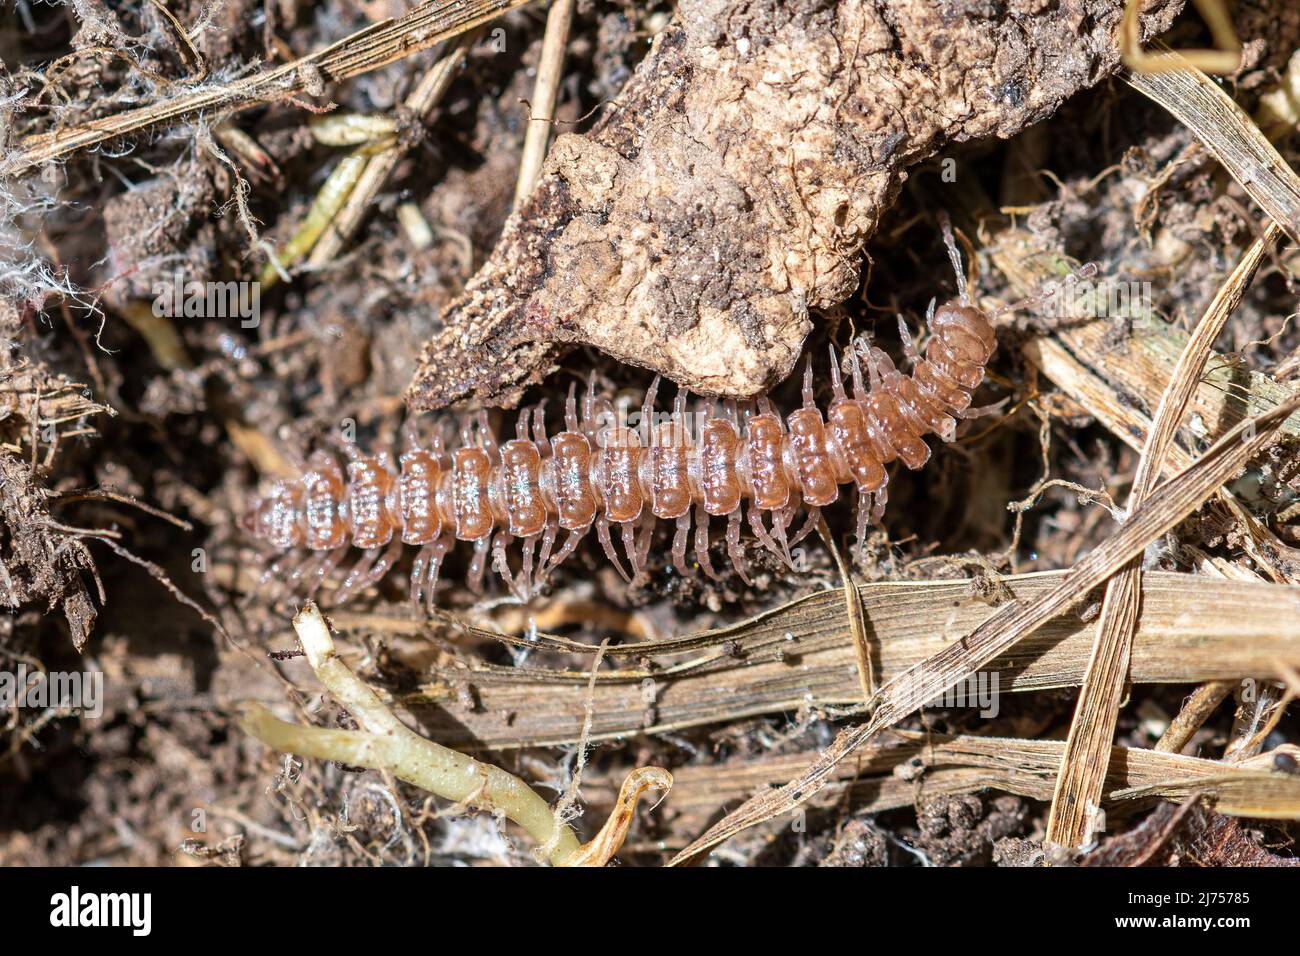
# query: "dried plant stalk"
1077, 799
1194, 712
968, 764
1114, 382
369, 49
802, 655
420, 102
541, 111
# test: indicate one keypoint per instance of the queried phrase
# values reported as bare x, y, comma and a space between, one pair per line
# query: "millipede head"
954, 321
277, 516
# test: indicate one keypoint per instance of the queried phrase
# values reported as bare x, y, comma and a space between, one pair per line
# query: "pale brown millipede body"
550, 490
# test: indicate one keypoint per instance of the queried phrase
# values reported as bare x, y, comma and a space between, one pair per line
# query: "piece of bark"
734, 185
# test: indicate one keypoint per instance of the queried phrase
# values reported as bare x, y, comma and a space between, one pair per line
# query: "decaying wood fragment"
733, 186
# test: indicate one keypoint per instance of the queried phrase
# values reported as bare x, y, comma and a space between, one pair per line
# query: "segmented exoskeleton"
600, 473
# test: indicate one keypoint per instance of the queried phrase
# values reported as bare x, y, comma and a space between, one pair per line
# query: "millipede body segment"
600, 472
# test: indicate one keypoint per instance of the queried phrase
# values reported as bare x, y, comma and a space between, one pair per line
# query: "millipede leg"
386, 561
359, 570
362, 577
855, 371
410, 434
881, 498
485, 436
809, 523
295, 577
863, 518
548, 543
644, 537
761, 532
570, 545
322, 573
909, 344
982, 410
734, 551
418, 568
273, 572
679, 543
873, 370
702, 542
526, 572
539, 431
837, 382
571, 408
602, 533
589, 424
440, 549
646, 425
780, 519
629, 546
478, 564
358, 573
501, 565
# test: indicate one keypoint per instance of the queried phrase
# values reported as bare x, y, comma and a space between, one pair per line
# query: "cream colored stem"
435, 768
550, 69
387, 744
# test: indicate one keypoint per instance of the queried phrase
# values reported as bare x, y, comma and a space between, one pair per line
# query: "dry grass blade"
377, 45
541, 112
1231, 136
853, 612
1077, 800
967, 764
802, 656
927, 680
1194, 712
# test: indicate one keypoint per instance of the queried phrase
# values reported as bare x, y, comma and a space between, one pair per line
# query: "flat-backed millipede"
598, 472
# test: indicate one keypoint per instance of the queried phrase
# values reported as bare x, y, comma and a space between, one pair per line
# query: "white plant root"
385, 743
